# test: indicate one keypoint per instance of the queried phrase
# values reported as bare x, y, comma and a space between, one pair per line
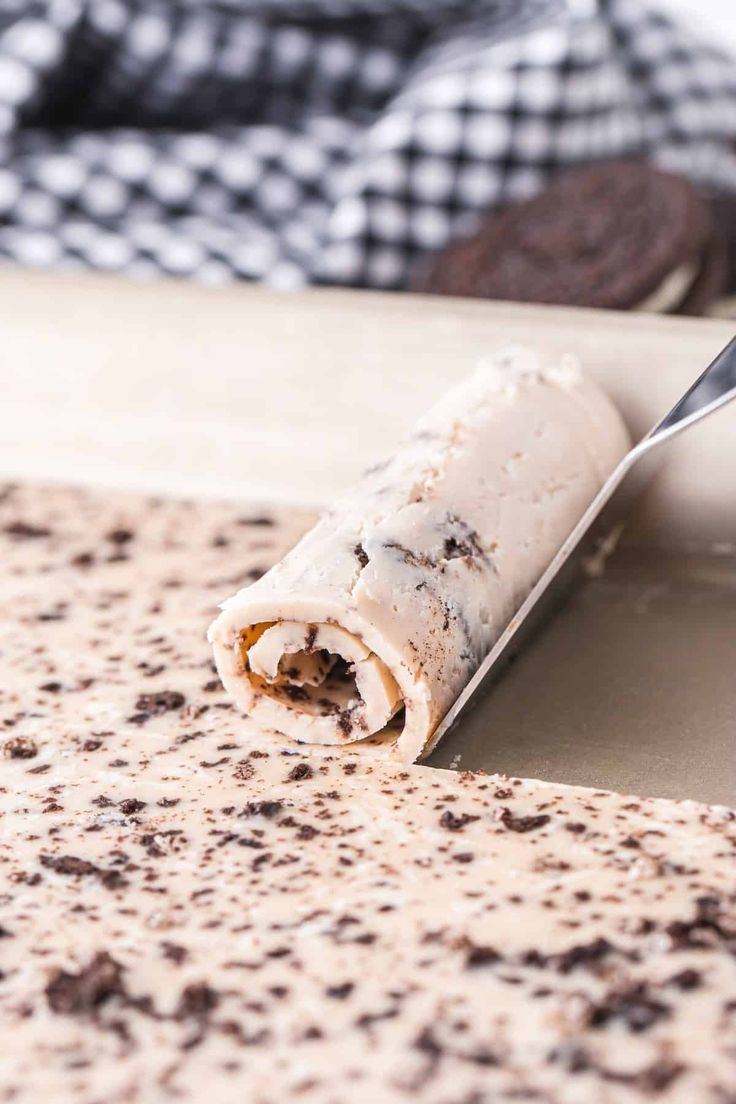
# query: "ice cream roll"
373, 623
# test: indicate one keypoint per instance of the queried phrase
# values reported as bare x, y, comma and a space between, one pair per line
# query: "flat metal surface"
631, 687
713, 389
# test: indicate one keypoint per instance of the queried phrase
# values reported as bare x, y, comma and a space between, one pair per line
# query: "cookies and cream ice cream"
382, 612
188, 916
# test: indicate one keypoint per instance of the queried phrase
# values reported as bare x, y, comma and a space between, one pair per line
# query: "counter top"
286, 397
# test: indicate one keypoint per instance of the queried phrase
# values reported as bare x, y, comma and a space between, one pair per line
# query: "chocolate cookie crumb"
300, 772
22, 530
456, 822
153, 705
82, 993
523, 823
20, 747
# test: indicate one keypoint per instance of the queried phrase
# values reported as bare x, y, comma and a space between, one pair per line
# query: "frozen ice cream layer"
189, 916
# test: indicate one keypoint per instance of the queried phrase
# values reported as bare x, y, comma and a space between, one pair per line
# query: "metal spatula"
633, 685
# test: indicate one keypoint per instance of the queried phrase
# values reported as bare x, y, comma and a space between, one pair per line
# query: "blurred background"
713, 17
562, 151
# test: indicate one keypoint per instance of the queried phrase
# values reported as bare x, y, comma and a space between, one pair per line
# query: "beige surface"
240, 391
191, 918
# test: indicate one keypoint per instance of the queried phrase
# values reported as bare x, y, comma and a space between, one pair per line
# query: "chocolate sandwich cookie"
723, 209
619, 234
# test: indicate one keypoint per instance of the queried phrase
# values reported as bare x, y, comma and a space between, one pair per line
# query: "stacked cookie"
618, 234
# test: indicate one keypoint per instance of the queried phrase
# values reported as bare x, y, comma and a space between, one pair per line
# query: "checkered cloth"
326, 141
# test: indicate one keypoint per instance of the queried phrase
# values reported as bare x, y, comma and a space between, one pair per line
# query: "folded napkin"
326, 141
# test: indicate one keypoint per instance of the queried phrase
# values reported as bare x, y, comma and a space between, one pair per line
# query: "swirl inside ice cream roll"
340, 688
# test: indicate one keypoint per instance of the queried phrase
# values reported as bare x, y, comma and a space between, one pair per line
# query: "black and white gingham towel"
329, 141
